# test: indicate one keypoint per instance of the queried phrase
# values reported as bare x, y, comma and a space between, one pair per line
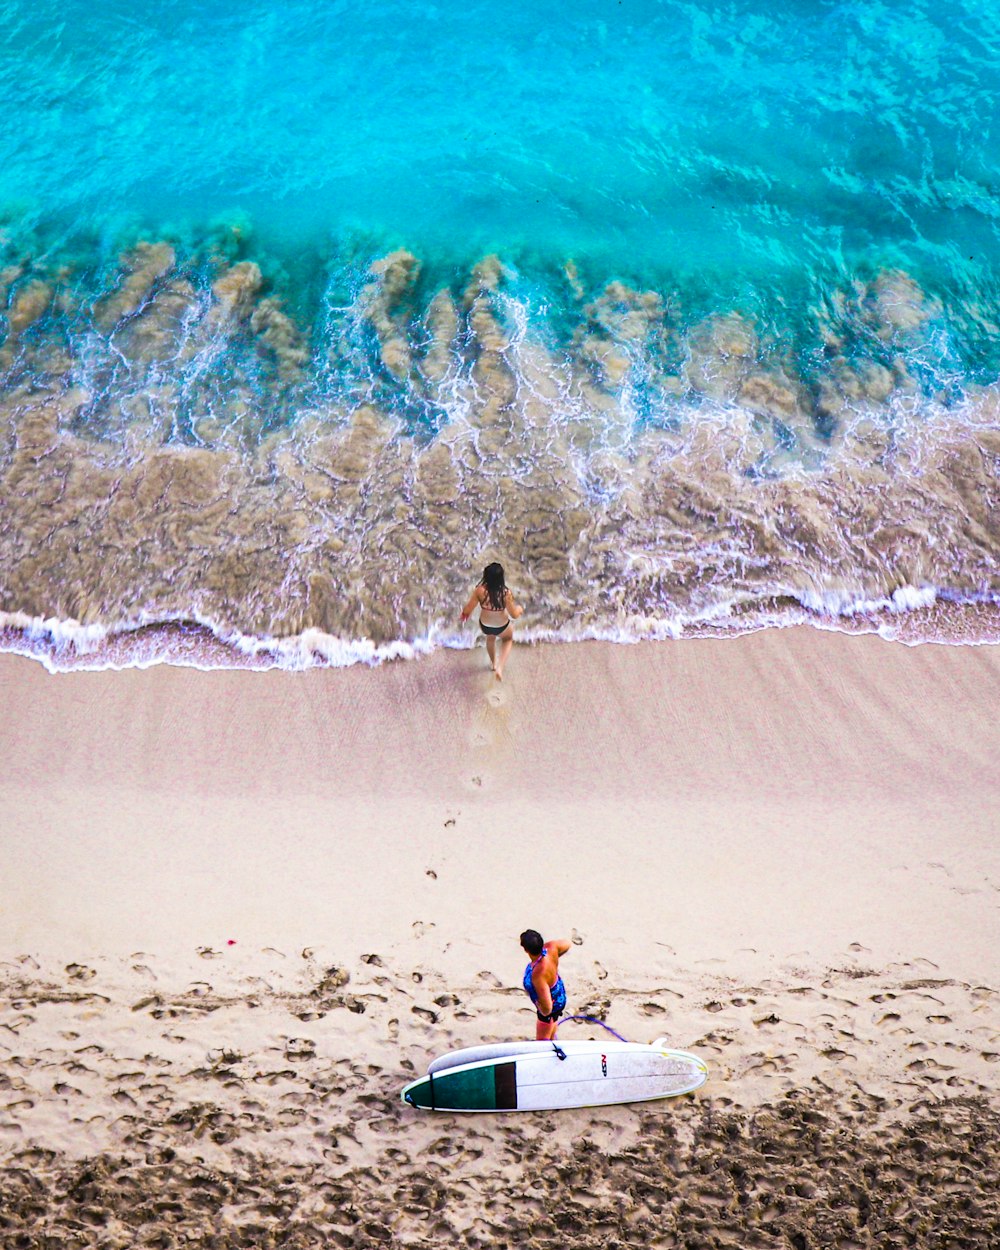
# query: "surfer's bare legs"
491, 651
545, 1030
506, 642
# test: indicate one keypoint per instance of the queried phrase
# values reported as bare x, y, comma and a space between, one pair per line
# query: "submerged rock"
144, 266
29, 304
379, 304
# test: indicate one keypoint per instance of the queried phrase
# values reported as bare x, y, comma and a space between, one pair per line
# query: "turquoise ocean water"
746, 269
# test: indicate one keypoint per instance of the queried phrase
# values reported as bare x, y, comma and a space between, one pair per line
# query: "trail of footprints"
220, 1084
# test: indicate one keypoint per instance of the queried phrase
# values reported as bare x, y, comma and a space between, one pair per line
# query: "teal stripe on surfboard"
479, 1087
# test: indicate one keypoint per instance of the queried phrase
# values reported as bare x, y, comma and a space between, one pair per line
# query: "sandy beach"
238, 910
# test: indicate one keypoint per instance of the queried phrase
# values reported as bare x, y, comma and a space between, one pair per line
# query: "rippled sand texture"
258, 1105
182, 449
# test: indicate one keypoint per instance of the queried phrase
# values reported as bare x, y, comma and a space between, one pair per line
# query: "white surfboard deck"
507, 1050
592, 1074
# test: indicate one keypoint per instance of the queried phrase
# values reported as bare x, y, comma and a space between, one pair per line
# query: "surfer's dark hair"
531, 941
496, 587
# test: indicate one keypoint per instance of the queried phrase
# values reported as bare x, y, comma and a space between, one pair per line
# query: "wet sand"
239, 910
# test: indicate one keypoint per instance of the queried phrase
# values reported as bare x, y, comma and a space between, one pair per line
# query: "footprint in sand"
300, 1048
334, 978
78, 972
763, 1063
596, 1007
224, 1058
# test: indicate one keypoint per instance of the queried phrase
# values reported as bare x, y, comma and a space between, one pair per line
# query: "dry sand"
240, 909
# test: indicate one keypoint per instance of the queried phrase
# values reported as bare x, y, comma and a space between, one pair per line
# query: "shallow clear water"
808, 190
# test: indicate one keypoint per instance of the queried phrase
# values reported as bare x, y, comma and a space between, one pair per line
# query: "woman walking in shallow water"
497, 612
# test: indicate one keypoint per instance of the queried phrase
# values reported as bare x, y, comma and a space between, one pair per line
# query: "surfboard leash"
587, 1020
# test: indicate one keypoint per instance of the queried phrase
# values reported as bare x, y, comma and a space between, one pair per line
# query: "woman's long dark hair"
496, 587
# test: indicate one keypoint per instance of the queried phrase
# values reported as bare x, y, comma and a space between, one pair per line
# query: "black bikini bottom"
494, 630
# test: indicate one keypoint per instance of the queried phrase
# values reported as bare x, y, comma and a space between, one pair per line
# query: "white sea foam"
835, 601
57, 633
69, 646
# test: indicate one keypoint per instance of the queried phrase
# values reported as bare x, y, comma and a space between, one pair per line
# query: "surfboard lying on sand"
543, 1076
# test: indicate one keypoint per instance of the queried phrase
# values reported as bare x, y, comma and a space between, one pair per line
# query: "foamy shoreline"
237, 912
910, 616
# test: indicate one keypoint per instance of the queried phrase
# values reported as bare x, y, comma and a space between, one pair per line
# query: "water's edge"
913, 619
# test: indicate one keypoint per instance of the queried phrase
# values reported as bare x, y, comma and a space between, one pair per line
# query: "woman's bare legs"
506, 642
545, 1030
491, 651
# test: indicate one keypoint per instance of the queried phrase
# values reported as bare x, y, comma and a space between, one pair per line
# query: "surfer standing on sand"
542, 982
497, 611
